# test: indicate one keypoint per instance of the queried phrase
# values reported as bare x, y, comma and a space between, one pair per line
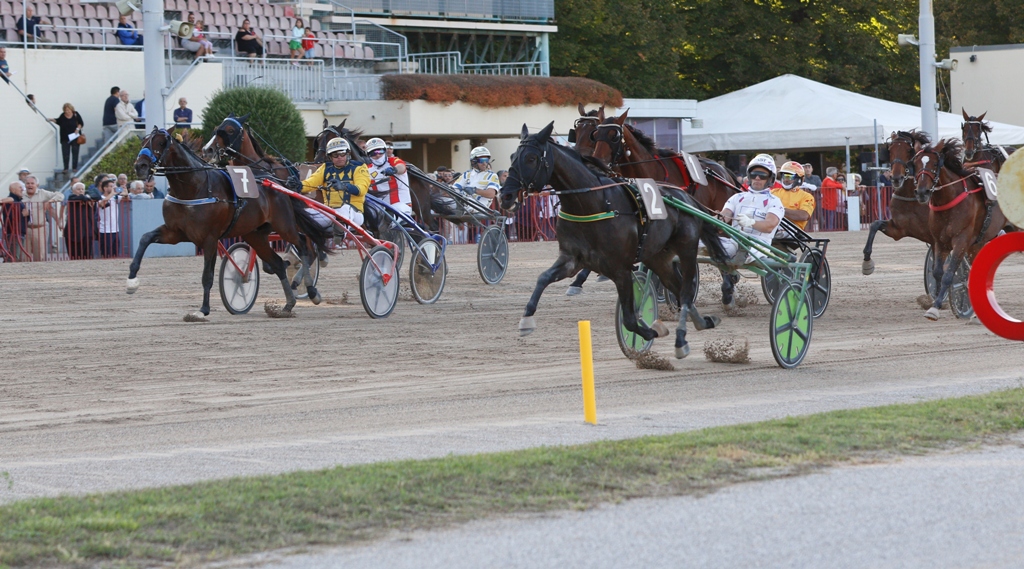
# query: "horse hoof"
195, 317
659, 328
527, 325
711, 321
602, 278
932, 314
868, 267
133, 285
683, 351
973, 320
316, 298
574, 290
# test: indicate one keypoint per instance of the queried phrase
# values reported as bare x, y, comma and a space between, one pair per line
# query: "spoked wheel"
238, 285
295, 263
930, 286
492, 255
792, 321
427, 272
645, 303
668, 296
393, 233
770, 284
821, 281
959, 299
378, 285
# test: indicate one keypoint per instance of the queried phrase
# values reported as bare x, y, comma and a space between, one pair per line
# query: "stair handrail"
103, 150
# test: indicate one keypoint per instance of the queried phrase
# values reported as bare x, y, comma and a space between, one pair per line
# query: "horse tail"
310, 228
709, 235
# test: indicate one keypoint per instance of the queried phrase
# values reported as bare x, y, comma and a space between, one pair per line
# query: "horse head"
972, 129
531, 169
154, 148
901, 148
928, 164
609, 139
583, 129
338, 131
227, 140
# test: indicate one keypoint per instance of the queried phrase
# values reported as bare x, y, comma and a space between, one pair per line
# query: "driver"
756, 212
344, 182
479, 182
389, 176
799, 203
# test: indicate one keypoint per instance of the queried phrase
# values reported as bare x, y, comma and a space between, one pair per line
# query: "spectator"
70, 123
391, 149
125, 112
502, 176
31, 100
249, 44
200, 37
26, 27
295, 44
140, 108
23, 174
78, 218
810, 178
109, 221
109, 113
14, 217
93, 190
42, 208
122, 185
831, 192
150, 188
5, 70
127, 32
183, 114
885, 180
798, 203
308, 44
137, 191
190, 43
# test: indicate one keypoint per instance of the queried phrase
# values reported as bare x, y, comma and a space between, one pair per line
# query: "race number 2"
242, 179
652, 198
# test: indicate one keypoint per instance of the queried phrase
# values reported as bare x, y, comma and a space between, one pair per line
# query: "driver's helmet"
763, 161
338, 144
375, 144
791, 175
477, 153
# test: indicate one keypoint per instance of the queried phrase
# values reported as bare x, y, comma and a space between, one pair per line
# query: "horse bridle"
614, 141
908, 168
155, 158
546, 166
975, 137
926, 171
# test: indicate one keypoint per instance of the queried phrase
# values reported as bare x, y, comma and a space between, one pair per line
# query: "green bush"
121, 160
271, 113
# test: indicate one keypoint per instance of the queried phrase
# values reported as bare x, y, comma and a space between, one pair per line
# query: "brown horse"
988, 156
958, 218
201, 207
908, 218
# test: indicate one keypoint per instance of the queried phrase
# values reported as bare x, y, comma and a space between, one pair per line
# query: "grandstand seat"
218, 19
86, 39
43, 10
367, 52
74, 37
67, 11
289, 12
318, 51
5, 8
204, 6
77, 11
10, 23
237, 9
61, 37
57, 22
314, 25
90, 11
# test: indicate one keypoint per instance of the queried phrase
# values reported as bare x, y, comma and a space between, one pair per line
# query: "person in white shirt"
389, 176
108, 217
137, 191
479, 182
125, 110
756, 212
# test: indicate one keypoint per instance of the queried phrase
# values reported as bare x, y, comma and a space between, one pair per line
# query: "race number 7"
652, 198
244, 179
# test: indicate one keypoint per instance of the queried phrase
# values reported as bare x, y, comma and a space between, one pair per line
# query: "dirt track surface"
100, 390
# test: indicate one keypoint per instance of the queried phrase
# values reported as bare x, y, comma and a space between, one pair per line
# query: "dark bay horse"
908, 217
958, 218
233, 144
978, 154
601, 228
201, 208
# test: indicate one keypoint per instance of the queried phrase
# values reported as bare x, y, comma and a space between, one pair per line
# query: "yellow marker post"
587, 367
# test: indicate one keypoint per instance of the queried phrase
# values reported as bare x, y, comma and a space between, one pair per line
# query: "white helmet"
375, 144
478, 152
763, 161
338, 144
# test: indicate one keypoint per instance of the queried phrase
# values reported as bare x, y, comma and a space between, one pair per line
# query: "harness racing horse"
907, 218
631, 153
603, 228
973, 129
232, 144
958, 218
201, 207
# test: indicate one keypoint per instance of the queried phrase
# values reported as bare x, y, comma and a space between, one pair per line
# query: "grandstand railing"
340, 85
61, 231
123, 132
300, 82
450, 62
519, 68
538, 11
106, 34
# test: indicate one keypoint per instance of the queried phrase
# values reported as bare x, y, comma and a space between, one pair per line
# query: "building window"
665, 132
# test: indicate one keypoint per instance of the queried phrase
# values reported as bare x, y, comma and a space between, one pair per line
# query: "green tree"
271, 114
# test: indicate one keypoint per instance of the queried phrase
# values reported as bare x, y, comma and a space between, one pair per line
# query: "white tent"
793, 113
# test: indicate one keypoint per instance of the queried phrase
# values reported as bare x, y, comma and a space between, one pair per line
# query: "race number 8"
652, 196
244, 179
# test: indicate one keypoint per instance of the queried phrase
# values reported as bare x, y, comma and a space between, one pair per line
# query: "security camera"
948, 64
974, 58
906, 39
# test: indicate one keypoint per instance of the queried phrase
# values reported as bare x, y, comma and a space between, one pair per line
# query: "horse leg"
729, 280
562, 268
623, 280
577, 285
868, 266
162, 234
308, 257
943, 273
209, 262
258, 241
682, 281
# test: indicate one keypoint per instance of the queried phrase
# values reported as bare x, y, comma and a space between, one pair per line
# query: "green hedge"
271, 113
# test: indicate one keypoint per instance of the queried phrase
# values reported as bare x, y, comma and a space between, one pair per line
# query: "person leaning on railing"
78, 218
42, 208
15, 216
71, 124
109, 220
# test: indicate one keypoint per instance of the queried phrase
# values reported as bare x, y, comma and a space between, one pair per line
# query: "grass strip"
345, 505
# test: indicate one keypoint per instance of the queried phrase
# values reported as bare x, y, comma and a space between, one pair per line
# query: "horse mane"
915, 136
192, 142
595, 165
255, 143
951, 149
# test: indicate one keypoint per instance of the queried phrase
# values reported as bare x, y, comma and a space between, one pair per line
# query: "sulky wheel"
770, 284
930, 286
393, 233
645, 302
959, 298
295, 263
378, 283
820, 290
238, 284
791, 325
492, 255
427, 272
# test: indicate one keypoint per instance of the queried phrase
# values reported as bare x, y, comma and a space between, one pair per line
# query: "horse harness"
959, 197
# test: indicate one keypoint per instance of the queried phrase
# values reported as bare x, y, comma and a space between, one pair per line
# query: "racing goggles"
483, 159
758, 175
377, 152
338, 153
787, 177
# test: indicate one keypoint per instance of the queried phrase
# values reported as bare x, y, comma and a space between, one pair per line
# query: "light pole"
153, 58
926, 44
